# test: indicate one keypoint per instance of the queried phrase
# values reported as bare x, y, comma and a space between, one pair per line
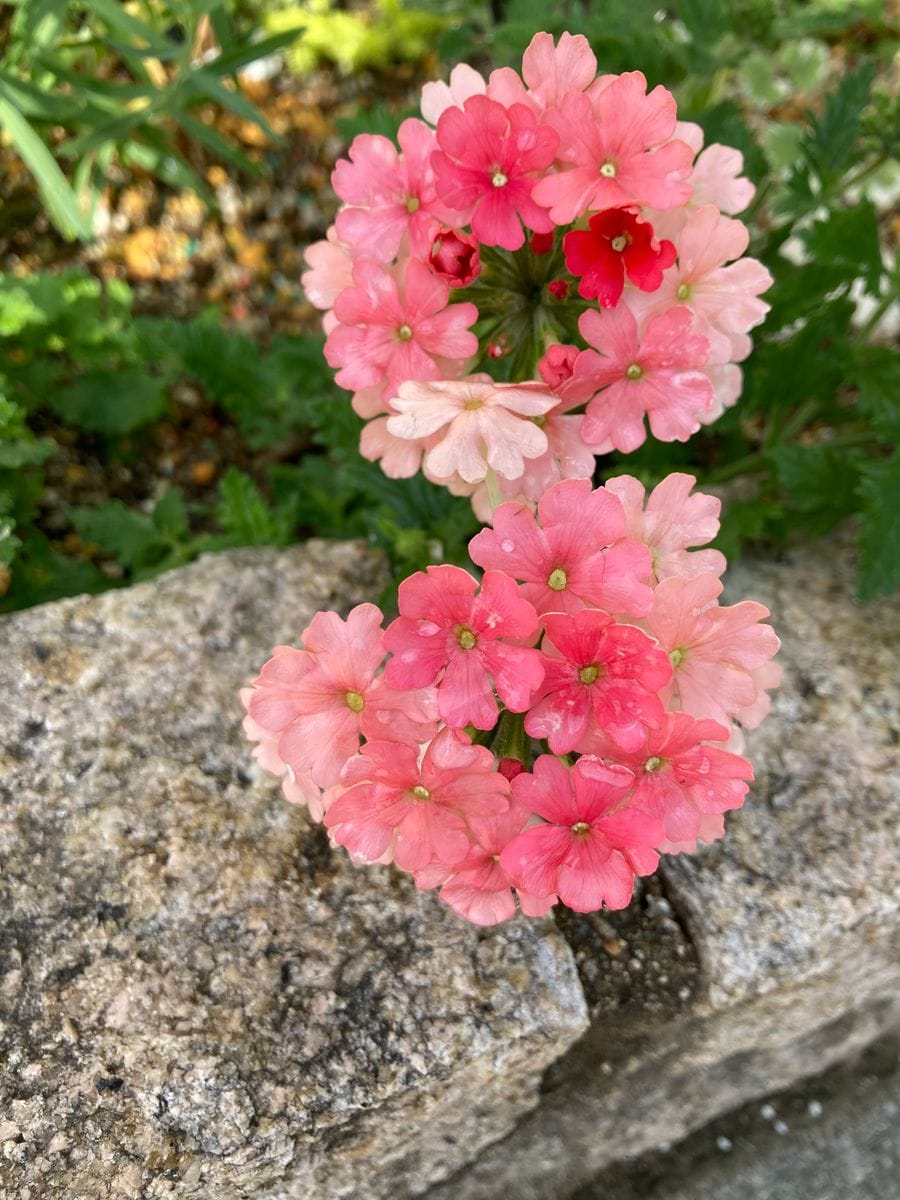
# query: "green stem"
511, 741
495, 496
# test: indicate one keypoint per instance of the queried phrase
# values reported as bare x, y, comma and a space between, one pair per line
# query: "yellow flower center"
589, 675
466, 638
608, 170
634, 371
676, 658
355, 701
581, 829
652, 764
421, 793
558, 579
412, 204
684, 291
619, 243
498, 179
404, 333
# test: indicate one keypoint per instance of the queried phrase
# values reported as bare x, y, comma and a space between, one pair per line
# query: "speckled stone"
792, 919
198, 997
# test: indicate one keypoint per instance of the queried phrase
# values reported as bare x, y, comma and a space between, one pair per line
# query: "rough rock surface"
793, 918
197, 998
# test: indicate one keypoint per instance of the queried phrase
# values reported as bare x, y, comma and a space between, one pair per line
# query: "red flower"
455, 258
618, 243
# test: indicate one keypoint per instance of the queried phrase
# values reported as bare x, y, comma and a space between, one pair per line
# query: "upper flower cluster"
595, 631
558, 215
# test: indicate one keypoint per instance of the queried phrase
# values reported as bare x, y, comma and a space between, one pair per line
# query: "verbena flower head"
536, 274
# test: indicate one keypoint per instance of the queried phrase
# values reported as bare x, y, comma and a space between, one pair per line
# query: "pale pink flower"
597, 674
616, 149
394, 325
439, 96
400, 458
669, 522
715, 651
448, 635
727, 381
679, 778
716, 177
391, 802
297, 788
486, 166
591, 847
477, 887
657, 374
484, 424
389, 195
724, 299
550, 71
330, 272
320, 699
573, 555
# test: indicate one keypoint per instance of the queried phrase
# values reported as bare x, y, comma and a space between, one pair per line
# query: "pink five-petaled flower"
394, 324
389, 194
477, 887
616, 149
671, 521
486, 424
616, 243
599, 675
486, 168
320, 699
446, 634
591, 848
658, 374
298, 789
678, 778
417, 811
573, 556
720, 655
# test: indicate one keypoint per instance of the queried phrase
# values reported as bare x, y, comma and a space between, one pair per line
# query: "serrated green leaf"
110, 402
831, 141
170, 516
879, 537
820, 482
847, 240
876, 372
244, 515
125, 535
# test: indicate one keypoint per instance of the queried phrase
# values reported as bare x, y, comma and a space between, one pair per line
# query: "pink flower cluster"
544, 733
593, 175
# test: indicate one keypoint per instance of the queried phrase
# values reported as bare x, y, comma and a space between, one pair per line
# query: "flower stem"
492, 484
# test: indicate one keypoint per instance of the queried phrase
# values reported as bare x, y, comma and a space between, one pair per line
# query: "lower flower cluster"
541, 735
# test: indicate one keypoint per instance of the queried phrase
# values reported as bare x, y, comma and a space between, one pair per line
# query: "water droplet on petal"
507, 545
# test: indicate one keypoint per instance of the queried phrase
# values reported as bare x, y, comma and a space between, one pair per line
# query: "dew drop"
507, 545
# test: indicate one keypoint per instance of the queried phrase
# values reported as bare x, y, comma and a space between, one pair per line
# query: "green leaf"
170, 516
111, 402
879, 538
831, 142
847, 240
129, 537
62, 204
820, 482
245, 516
876, 372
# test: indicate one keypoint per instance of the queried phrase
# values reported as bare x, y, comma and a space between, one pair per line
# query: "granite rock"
198, 996
792, 919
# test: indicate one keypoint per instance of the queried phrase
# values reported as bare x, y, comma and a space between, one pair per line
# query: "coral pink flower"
394, 325
591, 848
550, 71
298, 789
671, 521
438, 96
400, 458
658, 375
455, 258
598, 673
714, 651
485, 424
321, 698
680, 779
478, 888
330, 270
616, 243
486, 168
417, 811
724, 299
445, 634
716, 177
618, 148
574, 555
389, 195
